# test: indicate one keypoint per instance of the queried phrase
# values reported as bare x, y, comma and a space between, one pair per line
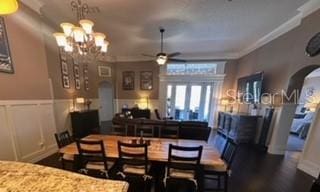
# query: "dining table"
158, 148
27, 177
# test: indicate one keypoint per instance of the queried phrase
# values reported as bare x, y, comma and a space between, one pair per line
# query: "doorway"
106, 110
189, 101
305, 111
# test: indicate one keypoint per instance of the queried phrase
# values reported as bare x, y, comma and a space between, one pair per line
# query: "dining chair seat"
182, 174
222, 168
98, 165
217, 173
68, 157
138, 170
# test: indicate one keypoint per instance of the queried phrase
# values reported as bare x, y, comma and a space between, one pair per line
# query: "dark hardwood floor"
254, 171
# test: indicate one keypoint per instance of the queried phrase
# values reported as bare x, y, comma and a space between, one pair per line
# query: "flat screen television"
250, 88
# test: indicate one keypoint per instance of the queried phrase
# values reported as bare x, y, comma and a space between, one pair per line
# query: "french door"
189, 101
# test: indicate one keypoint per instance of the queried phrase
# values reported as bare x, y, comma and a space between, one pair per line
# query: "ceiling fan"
162, 58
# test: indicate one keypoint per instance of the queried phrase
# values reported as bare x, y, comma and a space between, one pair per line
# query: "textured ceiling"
197, 28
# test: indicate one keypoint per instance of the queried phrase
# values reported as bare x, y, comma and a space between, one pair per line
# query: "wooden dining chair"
92, 156
133, 163
211, 173
63, 139
119, 127
220, 141
145, 128
183, 164
170, 129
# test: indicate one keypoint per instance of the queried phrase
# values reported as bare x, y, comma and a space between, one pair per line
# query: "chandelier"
81, 40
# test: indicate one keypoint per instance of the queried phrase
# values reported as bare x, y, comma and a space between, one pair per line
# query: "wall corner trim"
276, 150
305, 10
309, 168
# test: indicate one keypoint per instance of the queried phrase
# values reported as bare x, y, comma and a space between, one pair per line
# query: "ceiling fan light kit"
162, 58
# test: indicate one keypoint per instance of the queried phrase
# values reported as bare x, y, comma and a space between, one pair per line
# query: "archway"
106, 110
286, 113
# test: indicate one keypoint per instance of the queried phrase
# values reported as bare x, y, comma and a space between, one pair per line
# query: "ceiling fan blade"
147, 55
174, 54
177, 60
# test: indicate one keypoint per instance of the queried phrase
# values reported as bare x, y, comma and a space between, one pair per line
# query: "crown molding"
309, 8
305, 10
220, 57
34, 5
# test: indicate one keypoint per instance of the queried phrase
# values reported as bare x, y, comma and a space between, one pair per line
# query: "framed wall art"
146, 80
65, 81
6, 65
64, 64
77, 84
76, 71
86, 77
75, 61
86, 85
128, 80
104, 71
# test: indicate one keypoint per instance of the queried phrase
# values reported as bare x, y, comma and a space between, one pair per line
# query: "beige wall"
54, 69
231, 69
137, 67
30, 80
281, 58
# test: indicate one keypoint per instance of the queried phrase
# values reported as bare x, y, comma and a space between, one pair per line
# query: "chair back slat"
133, 154
229, 152
220, 141
92, 151
181, 161
188, 159
63, 139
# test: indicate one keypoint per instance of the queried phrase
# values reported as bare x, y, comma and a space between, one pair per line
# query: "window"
191, 69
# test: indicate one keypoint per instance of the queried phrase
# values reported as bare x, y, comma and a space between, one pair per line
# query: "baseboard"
309, 167
49, 151
276, 150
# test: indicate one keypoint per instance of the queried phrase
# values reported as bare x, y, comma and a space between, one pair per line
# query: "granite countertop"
25, 177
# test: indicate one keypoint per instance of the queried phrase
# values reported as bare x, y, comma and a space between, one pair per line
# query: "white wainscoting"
27, 130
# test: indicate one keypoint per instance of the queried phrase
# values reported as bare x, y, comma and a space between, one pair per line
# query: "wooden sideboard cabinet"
240, 127
85, 123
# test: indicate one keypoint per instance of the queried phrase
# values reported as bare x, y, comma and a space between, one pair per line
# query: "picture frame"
76, 71
86, 85
64, 64
85, 72
64, 68
146, 80
75, 61
128, 78
6, 64
77, 84
65, 81
104, 71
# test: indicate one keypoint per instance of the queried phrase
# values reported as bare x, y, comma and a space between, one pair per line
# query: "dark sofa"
195, 130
